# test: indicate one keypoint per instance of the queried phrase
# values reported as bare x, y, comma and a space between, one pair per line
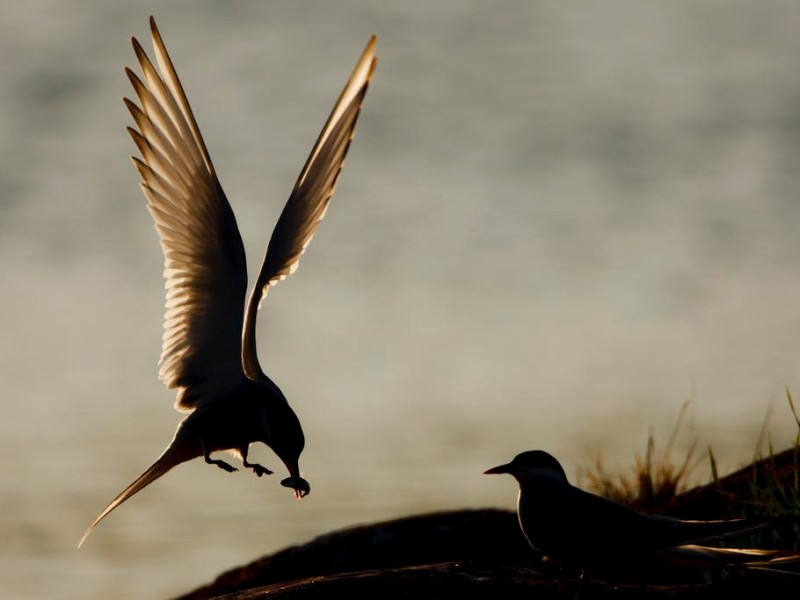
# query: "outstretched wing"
309, 199
204, 260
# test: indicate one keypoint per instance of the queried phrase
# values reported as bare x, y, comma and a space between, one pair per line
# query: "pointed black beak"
300, 486
497, 470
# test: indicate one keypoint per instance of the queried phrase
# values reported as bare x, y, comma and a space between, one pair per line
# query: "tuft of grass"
774, 489
769, 490
655, 477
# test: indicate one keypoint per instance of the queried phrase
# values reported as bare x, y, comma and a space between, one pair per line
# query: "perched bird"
209, 343
588, 531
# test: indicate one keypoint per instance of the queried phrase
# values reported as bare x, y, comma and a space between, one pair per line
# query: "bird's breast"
547, 525
226, 423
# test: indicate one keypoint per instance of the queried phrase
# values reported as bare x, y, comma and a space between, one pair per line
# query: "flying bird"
209, 343
587, 531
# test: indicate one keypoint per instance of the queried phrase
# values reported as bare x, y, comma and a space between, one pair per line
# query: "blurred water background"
558, 223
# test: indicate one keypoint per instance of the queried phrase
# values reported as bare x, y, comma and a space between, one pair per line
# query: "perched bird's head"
536, 463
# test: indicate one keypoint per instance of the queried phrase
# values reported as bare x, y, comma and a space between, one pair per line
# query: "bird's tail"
710, 531
176, 453
783, 566
775, 562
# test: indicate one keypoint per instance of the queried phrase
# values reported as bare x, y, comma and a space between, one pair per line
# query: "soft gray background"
558, 222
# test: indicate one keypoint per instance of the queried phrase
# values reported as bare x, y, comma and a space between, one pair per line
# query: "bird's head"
287, 441
533, 463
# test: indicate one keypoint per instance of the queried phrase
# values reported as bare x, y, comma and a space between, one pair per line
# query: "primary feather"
204, 261
309, 199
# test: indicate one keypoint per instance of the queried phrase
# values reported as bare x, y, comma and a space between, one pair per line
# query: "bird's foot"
226, 467
257, 469
221, 464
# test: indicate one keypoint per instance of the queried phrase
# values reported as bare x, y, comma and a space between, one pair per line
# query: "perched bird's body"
588, 531
209, 347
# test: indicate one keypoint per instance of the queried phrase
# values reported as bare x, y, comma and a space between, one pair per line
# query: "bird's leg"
220, 463
257, 469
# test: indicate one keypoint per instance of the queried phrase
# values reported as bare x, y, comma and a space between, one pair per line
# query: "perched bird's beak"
497, 470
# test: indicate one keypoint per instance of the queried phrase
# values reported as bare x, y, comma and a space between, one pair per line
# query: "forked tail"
785, 563
174, 455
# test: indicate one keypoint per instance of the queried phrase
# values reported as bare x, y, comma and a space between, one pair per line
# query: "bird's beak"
300, 486
497, 470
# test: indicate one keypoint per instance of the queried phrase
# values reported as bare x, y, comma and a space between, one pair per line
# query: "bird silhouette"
209, 343
587, 531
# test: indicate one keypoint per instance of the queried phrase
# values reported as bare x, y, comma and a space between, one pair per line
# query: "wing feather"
309, 199
204, 261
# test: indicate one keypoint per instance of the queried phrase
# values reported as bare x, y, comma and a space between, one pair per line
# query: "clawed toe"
222, 465
259, 470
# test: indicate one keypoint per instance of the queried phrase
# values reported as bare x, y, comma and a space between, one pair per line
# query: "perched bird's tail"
177, 453
782, 566
783, 563
710, 531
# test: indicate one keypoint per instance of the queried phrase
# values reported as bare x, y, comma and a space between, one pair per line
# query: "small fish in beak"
300, 486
